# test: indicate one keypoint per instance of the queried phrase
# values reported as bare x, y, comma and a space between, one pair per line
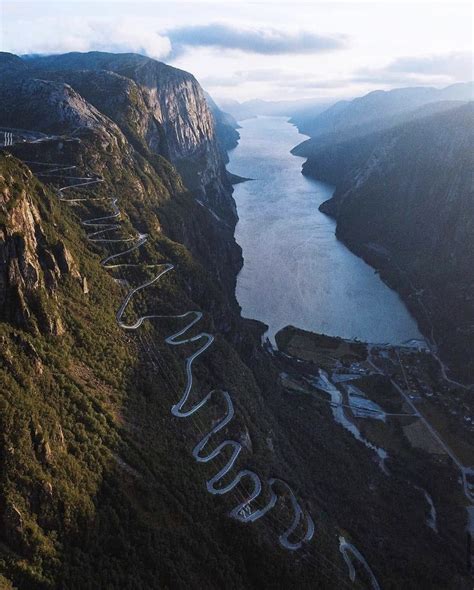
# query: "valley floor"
396, 395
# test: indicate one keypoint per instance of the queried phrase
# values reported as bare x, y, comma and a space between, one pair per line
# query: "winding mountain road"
248, 510
348, 549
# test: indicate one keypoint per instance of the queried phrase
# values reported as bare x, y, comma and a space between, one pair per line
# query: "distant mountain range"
374, 110
258, 107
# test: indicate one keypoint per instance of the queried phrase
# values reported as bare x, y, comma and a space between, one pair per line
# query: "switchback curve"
245, 510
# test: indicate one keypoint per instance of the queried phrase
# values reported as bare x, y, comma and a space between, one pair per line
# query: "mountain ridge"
378, 104
415, 174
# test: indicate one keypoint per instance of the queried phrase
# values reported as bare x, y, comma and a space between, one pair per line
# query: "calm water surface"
295, 270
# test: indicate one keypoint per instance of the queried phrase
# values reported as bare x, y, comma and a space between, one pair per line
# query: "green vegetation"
321, 349
99, 489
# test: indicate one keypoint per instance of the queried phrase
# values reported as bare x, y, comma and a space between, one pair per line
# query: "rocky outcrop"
56, 107
31, 265
165, 107
13, 525
128, 105
121, 100
226, 127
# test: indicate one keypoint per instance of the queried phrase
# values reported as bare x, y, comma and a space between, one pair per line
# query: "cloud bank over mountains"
50, 35
135, 35
244, 50
457, 64
404, 71
266, 41
448, 67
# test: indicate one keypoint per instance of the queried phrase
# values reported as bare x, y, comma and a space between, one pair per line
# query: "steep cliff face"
121, 100
405, 201
315, 146
56, 108
226, 127
31, 263
161, 115
170, 111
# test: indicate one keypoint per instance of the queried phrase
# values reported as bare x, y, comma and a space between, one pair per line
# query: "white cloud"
131, 35
262, 40
457, 65
282, 60
277, 77
436, 69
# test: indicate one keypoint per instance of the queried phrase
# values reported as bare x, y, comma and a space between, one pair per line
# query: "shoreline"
390, 273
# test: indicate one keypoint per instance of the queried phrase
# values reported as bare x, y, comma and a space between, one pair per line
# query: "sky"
273, 50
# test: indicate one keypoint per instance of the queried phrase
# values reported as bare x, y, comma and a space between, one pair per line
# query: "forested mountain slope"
316, 144
405, 201
99, 486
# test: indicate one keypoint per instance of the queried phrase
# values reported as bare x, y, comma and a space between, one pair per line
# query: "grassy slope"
99, 487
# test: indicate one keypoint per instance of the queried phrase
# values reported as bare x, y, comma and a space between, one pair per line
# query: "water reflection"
295, 270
